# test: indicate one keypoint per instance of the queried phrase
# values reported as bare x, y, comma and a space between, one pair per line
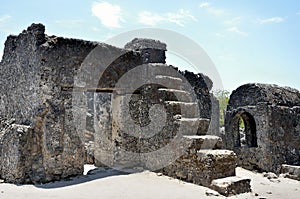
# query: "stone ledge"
203, 167
291, 171
204, 142
231, 185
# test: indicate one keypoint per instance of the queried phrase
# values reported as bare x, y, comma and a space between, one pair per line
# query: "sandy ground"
111, 184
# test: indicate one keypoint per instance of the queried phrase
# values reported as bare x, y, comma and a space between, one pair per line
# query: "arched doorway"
244, 130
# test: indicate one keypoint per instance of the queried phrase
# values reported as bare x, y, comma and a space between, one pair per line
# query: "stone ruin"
271, 116
67, 102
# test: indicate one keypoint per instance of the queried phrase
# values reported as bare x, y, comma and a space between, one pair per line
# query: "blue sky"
249, 41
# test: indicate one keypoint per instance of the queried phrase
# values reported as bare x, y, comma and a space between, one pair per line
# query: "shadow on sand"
97, 173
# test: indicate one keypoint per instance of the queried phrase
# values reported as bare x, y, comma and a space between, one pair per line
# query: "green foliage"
223, 97
241, 124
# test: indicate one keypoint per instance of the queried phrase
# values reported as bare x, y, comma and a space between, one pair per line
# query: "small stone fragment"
210, 192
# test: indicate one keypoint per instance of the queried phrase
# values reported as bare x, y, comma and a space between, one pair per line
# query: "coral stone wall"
57, 94
34, 70
272, 126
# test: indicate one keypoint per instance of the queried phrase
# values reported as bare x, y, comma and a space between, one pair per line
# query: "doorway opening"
245, 130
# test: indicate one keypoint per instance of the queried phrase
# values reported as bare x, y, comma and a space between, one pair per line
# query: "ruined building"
66, 102
271, 117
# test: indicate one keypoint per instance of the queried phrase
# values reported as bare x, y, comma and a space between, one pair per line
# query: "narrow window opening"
242, 135
245, 130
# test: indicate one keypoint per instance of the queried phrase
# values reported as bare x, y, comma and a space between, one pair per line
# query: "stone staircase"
201, 159
204, 162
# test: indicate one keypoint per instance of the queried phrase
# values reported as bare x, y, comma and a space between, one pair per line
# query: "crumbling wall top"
38, 31
139, 44
253, 93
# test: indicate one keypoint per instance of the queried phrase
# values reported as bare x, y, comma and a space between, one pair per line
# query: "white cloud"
215, 11
4, 24
4, 18
298, 13
211, 10
234, 21
237, 31
271, 20
149, 18
204, 5
179, 18
109, 14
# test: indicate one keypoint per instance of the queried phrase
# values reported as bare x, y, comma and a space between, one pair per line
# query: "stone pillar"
214, 126
104, 145
126, 130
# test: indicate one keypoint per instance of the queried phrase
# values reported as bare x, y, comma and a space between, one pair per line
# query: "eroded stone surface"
291, 171
152, 51
64, 105
16, 156
201, 167
231, 185
272, 126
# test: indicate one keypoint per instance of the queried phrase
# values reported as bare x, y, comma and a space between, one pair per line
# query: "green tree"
223, 97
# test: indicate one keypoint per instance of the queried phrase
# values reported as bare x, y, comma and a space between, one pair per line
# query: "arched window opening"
242, 135
245, 135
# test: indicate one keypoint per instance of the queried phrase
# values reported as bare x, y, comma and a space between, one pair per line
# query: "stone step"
188, 126
231, 185
203, 167
167, 94
203, 126
169, 82
162, 69
290, 171
89, 136
194, 126
185, 109
222, 162
200, 142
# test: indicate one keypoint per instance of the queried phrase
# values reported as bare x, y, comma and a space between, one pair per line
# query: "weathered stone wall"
155, 84
284, 133
271, 116
19, 149
202, 86
41, 79
252, 94
37, 72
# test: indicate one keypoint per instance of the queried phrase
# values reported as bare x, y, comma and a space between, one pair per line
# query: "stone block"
169, 81
186, 109
152, 51
291, 171
204, 142
15, 153
231, 185
203, 167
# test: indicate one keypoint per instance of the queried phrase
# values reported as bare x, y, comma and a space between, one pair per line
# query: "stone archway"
244, 130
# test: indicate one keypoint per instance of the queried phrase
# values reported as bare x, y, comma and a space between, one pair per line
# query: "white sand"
109, 184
